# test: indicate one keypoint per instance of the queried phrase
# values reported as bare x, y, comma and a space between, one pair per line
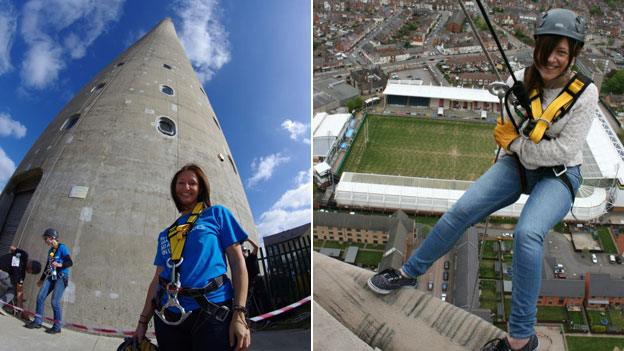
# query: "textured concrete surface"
407, 319
16, 338
330, 335
117, 152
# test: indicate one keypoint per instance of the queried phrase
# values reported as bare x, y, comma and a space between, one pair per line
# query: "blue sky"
253, 58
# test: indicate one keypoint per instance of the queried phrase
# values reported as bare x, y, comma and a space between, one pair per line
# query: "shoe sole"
376, 289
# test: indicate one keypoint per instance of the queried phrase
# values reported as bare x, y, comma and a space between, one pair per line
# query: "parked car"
443, 296
612, 259
561, 275
558, 265
618, 259
444, 286
594, 258
447, 264
445, 275
559, 270
430, 285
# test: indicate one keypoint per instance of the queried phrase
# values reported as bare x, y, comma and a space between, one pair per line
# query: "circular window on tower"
98, 87
166, 126
70, 122
165, 89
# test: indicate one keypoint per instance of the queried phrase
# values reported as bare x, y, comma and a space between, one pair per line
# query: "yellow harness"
542, 120
177, 234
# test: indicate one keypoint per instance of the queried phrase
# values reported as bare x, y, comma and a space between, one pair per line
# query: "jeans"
549, 201
56, 287
198, 332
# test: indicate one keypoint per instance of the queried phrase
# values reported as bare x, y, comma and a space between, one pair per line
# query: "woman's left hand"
240, 337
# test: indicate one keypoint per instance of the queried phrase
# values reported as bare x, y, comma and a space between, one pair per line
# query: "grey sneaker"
388, 280
501, 344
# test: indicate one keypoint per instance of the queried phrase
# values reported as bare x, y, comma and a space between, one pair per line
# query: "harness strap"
212, 285
177, 234
556, 109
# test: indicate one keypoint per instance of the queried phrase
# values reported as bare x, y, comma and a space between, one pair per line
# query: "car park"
444, 286
611, 259
618, 259
445, 275
594, 258
443, 296
447, 265
430, 285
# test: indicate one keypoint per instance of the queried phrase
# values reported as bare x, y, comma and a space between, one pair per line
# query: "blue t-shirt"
62, 252
204, 253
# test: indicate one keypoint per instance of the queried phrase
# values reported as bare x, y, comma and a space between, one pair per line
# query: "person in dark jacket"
13, 268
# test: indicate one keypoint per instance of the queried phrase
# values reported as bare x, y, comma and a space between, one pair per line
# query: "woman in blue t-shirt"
203, 309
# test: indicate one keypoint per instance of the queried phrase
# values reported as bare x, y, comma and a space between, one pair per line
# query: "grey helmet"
51, 232
562, 22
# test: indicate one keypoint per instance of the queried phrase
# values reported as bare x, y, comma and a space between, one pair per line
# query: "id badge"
15, 261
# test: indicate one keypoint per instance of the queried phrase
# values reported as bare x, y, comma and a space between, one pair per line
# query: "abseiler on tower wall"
100, 174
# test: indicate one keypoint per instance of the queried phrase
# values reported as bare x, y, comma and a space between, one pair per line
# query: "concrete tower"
100, 174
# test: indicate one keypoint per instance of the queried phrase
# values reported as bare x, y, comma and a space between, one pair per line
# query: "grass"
576, 317
488, 249
617, 318
368, 258
606, 242
330, 244
582, 343
595, 317
486, 269
551, 314
418, 147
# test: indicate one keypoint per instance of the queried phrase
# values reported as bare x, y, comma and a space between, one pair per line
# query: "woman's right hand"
140, 331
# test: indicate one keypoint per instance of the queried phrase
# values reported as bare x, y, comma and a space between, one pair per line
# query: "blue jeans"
57, 287
549, 201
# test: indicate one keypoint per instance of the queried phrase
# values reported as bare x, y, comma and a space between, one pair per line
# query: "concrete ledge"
404, 320
330, 335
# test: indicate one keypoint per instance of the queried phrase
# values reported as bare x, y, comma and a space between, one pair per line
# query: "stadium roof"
412, 88
324, 124
438, 195
606, 148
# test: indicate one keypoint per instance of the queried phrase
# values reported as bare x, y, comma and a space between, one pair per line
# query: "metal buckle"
172, 301
222, 313
557, 174
498, 89
173, 287
544, 120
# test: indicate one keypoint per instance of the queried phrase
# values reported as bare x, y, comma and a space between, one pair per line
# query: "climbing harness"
535, 128
173, 288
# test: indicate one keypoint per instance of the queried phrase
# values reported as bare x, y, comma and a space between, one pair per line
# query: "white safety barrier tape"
281, 310
125, 333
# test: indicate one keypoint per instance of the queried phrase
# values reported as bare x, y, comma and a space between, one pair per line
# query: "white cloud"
291, 209
8, 26
203, 36
56, 29
263, 168
9, 126
296, 130
7, 167
42, 64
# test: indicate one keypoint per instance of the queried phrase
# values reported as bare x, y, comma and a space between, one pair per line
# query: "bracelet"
240, 308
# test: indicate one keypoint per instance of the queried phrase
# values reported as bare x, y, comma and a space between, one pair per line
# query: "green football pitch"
417, 147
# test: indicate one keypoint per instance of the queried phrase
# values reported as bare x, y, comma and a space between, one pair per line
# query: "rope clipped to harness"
177, 239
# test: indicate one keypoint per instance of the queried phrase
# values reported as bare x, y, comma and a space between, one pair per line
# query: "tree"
355, 103
614, 84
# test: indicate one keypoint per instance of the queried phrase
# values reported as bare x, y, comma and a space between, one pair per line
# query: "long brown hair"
204, 186
544, 46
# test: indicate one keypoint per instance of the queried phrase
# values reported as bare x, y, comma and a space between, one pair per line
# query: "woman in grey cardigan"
546, 165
